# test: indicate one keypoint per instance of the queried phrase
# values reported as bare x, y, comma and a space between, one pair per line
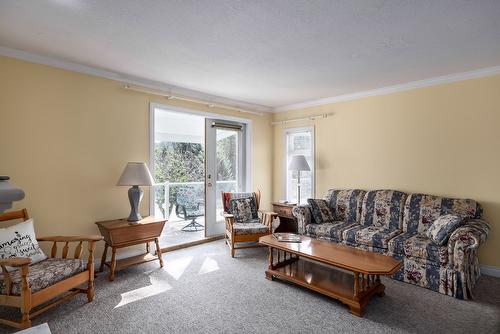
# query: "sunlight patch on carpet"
176, 268
157, 286
208, 266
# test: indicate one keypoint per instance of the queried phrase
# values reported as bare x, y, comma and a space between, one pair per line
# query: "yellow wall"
442, 140
65, 138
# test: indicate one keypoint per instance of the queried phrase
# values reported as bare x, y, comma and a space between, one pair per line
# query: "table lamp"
298, 163
8, 193
135, 174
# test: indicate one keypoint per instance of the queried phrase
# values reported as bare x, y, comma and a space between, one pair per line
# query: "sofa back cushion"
346, 204
422, 210
383, 208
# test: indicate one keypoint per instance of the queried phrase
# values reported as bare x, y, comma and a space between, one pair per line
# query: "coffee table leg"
381, 290
356, 310
269, 276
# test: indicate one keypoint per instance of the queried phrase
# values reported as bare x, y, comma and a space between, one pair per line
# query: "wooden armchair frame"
230, 235
69, 287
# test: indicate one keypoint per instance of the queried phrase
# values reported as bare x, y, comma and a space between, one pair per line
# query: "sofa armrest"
303, 215
465, 241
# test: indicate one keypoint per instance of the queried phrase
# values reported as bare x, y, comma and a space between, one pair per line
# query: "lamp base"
134, 196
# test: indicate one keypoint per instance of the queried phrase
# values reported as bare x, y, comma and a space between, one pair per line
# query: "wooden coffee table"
344, 273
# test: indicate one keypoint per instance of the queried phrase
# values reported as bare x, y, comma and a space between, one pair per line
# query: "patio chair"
190, 206
248, 231
28, 286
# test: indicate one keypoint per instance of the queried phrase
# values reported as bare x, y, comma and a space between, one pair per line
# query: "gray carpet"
203, 290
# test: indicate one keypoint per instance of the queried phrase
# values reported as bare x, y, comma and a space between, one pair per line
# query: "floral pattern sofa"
395, 223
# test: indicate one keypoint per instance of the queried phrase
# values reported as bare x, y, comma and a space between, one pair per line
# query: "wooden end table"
120, 233
288, 223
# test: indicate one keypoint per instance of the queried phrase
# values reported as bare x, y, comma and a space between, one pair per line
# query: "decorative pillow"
441, 228
320, 211
244, 210
19, 241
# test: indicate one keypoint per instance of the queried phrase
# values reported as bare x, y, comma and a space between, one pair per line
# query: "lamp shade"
299, 162
136, 174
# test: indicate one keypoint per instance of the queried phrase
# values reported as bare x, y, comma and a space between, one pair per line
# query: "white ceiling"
265, 52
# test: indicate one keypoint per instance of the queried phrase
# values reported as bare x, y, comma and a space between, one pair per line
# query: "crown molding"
121, 77
484, 72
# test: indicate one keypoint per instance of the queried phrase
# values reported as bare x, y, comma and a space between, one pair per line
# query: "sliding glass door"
194, 159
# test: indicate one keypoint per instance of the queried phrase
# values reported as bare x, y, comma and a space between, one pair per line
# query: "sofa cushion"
320, 211
243, 209
43, 274
346, 204
395, 247
383, 208
422, 210
420, 246
252, 227
349, 234
375, 236
440, 230
331, 231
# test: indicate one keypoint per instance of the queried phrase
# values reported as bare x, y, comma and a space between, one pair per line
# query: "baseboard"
490, 270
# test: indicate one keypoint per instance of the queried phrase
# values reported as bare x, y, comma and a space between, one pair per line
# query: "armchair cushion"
251, 227
20, 241
320, 211
244, 209
440, 230
43, 274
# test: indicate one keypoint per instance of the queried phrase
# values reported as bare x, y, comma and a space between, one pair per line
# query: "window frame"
286, 133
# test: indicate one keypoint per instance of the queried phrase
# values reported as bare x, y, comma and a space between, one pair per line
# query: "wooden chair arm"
274, 214
22, 262
15, 261
71, 238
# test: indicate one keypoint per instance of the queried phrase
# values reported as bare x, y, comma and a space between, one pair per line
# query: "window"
299, 141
